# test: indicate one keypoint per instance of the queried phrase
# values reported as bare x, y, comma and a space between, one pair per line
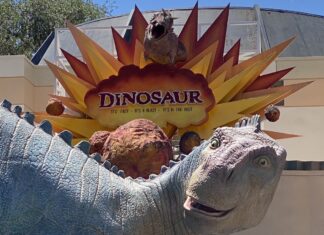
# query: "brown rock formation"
97, 141
139, 147
55, 107
272, 113
188, 141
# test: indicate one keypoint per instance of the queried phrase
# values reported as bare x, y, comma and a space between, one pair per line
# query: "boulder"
272, 113
97, 141
139, 147
188, 141
55, 107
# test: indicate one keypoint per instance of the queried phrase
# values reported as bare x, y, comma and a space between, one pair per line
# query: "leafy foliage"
25, 24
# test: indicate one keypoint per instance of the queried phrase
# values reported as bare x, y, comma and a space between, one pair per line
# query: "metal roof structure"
258, 29
308, 30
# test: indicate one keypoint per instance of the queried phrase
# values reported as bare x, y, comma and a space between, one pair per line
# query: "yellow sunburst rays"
230, 84
132, 52
82, 128
238, 87
99, 65
227, 78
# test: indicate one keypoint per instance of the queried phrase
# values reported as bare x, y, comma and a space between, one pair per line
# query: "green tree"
25, 24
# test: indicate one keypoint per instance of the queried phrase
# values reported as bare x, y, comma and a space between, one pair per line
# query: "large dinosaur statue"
161, 44
48, 187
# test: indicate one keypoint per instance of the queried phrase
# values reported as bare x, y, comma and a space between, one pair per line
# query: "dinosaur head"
160, 24
235, 181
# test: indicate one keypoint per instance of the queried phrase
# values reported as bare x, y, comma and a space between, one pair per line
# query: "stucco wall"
297, 207
25, 84
303, 111
306, 69
306, 122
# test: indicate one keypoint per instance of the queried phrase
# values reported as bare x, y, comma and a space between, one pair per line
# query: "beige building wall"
297, 207
306, 69
303, 111
306, 122
25, 84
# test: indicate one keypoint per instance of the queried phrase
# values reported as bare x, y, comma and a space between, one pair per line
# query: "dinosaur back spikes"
29, 117
97, 157
254, 121
121, 173
107, 164
46, 126
172, 163
6, 104
140, 179
182, 156
114, 169
17, 110
163, 169
84, 146
66, 136
152, 176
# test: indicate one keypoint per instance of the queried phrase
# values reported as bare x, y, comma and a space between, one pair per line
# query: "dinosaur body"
161, 44
48, 187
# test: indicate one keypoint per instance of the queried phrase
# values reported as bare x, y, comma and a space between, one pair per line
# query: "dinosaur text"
108, 99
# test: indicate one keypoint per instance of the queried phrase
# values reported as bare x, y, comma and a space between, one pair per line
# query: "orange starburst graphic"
238, 88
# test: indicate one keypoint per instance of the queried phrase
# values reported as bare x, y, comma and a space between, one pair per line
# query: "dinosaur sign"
181, 98
196, 86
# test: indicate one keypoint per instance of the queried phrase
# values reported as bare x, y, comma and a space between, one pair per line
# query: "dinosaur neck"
46, 184
48, 187
175, 181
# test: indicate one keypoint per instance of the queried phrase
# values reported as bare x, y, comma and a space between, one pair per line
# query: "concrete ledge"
20, 66
310, 67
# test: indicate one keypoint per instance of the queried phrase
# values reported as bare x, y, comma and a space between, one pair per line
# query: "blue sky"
309, 6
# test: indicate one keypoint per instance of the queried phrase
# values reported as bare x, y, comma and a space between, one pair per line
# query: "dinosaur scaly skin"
47, 187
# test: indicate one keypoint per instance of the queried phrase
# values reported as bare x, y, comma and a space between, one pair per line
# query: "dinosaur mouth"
193, 205
158, 31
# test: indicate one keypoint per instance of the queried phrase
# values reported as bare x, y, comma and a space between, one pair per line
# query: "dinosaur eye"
215, 143
263, 162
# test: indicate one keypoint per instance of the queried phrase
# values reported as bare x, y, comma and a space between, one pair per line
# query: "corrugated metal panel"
242, 24
99, 30
308, 30
279, 25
